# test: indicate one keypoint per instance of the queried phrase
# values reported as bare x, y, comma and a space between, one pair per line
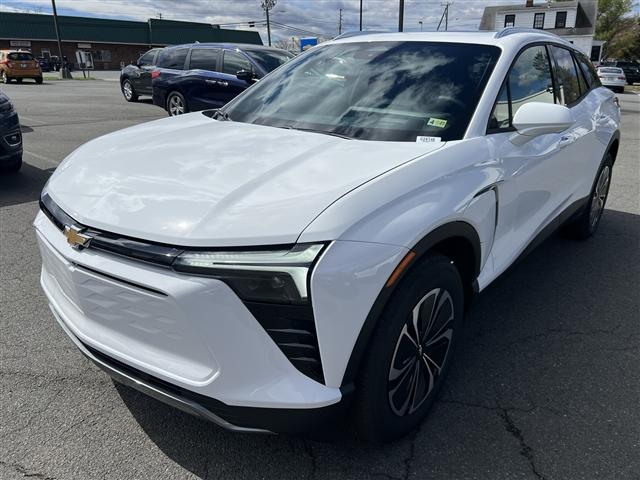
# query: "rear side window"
204, 59
234, 62
568, 86
529, 81
20, 56
173, 58
588, 70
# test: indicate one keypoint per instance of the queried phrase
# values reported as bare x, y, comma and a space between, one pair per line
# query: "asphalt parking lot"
546, 383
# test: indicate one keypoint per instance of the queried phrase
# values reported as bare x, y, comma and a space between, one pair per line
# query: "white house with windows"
574, 20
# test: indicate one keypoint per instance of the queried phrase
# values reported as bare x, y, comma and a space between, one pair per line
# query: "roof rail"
513, 30
358, 33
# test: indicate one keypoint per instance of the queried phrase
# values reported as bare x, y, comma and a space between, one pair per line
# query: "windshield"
392, 91
269, 60
20, 56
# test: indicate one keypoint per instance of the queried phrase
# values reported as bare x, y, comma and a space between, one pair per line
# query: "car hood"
195, 181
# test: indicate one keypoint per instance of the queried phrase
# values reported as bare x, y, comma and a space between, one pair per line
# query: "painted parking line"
50, 161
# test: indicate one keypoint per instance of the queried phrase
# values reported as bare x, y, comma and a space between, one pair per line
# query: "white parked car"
613, 78
315, 244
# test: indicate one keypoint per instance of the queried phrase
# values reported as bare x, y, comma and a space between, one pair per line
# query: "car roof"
506, 38
241, 46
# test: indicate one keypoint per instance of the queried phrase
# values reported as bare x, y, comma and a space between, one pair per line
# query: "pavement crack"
24, 472
525, 450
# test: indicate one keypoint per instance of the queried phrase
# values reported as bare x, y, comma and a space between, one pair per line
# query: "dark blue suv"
10, 137
200, 76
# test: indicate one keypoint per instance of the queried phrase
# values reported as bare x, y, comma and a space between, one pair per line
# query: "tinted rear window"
20, 56
173, 58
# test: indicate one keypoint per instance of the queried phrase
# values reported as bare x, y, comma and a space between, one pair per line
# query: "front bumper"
190, 332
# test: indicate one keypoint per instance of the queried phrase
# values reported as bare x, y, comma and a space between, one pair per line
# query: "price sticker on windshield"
428, 139
436, 122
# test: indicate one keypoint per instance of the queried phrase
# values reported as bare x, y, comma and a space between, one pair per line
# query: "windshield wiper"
313, 130
218, 114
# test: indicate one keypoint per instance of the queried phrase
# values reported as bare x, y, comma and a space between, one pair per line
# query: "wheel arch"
456, 240
614, 145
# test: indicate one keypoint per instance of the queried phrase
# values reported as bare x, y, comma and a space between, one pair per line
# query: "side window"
204, 59
568, 87
582, 83
529, 81
501, 115
173, 58
588, 70
234, 62
146, 59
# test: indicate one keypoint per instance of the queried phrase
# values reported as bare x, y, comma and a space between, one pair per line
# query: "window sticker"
428, 139
436, 122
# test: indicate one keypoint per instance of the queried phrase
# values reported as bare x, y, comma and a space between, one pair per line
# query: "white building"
574, 20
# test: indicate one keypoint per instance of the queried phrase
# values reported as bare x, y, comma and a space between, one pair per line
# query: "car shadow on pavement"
23, 186
539, 346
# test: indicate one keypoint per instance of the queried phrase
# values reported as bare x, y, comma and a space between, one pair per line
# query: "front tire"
586, 224
5, 78
38, 80
129, 92
410, 352
12, 167
176, 104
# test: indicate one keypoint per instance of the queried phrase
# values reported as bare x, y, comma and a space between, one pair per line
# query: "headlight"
274, 276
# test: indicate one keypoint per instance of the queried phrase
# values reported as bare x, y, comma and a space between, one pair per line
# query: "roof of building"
155, 31
585, 16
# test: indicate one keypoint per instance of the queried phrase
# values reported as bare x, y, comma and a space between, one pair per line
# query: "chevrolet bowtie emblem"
75, 237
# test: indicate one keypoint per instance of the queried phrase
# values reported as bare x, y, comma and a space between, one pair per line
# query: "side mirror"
536, 118
246, 75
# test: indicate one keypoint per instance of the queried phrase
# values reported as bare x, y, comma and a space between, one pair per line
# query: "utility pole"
266, 6
340, 23
420, 23
360, 15
64, 69
445, 16
401, 16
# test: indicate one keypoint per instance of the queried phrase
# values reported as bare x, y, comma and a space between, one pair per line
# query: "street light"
420, 22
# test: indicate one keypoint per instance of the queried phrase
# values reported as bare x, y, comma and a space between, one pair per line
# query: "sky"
312, 16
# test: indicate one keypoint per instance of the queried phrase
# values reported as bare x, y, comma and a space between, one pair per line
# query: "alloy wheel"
421, 352
599, 197
127, 89
176, 105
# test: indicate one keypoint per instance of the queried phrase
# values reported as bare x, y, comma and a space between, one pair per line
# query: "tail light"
155, 74
622, 78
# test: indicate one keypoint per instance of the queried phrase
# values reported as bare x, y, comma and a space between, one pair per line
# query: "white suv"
315, 244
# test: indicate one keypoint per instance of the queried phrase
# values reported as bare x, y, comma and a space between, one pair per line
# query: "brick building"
111, 42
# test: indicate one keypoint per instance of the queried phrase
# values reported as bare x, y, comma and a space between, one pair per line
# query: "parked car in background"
18, 65
10, 136
45, 65
135, 79
311, 248
613, 78
208, 75
630, 68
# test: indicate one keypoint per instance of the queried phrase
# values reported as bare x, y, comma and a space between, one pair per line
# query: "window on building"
509, 21
102, 56
204, 59
538, 20
234, 62
568, 86
529, 81
173, 58
561, 19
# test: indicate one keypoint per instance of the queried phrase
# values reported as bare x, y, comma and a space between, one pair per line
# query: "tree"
618, 28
